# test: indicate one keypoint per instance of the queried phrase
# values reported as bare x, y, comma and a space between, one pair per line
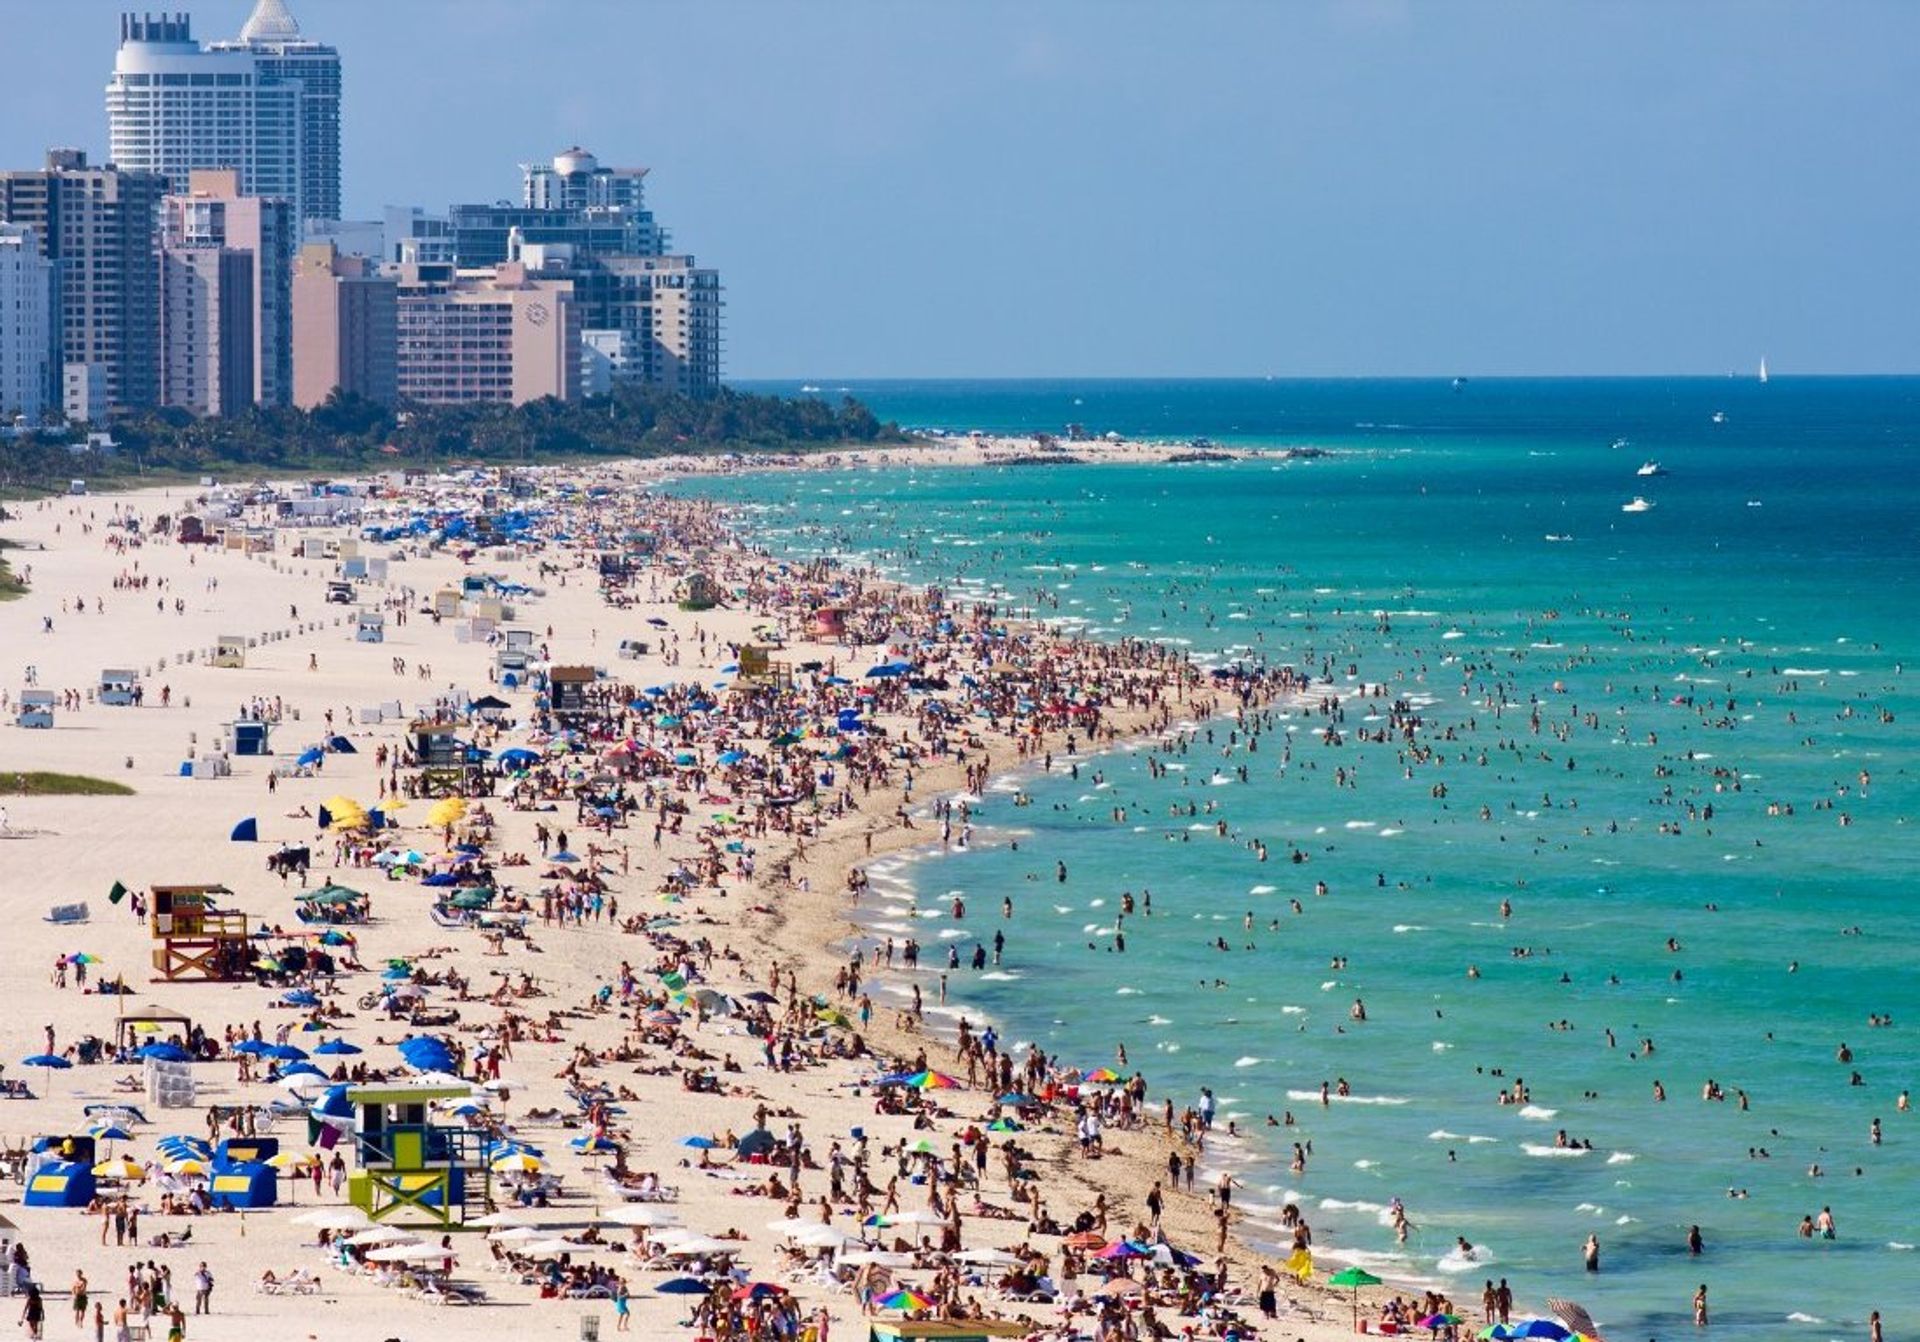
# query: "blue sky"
1105, 187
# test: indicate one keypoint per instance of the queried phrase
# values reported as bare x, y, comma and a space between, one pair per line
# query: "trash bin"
589, 1328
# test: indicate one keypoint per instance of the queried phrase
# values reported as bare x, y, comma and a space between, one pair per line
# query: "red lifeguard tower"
195, 940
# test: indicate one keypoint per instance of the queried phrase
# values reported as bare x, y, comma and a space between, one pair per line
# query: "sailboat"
1763, 369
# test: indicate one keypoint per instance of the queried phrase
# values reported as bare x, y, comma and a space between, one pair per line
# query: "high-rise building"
26, 324
266, 104
485, 335
344, 327
206, 329
655, 317
214, 215
98, 227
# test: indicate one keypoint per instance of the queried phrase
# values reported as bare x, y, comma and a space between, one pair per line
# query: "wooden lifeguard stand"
197, 942
568, 687
444, 760
698, 591
759, 667
410, 1166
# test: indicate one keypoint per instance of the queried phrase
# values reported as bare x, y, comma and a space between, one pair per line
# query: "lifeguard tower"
370, 626
197, 942
409, 1166
568, 686
442, 758
230, 650
698, 591
36, 708
759, 667
248, 736
119, 687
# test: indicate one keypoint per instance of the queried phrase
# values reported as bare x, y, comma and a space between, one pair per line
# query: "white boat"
1719, 417
1763, 368
1619, 443
1639, 505
1651, 468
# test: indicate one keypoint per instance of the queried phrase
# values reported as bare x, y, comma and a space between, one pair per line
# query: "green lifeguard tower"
409, 1166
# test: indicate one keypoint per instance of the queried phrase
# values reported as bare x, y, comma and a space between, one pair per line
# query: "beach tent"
247, 831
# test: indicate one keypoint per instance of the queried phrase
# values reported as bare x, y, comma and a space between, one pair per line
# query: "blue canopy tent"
341, 745
311, 755
247, 831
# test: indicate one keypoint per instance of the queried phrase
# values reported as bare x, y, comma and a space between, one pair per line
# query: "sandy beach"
776, 924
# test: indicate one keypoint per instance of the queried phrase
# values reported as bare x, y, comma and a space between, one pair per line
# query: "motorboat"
1651, 468
1639, 505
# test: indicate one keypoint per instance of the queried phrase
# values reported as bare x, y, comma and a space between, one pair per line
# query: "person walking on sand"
33, 1314
79, 1299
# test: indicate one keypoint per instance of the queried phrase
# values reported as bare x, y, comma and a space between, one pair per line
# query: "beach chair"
12, 1089
67, 914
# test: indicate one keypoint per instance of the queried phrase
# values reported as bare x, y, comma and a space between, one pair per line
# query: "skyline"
1370, 189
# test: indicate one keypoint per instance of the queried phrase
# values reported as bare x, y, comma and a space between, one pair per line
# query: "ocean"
1678, 742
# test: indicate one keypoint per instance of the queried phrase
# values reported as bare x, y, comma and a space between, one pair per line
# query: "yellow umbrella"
518, 1162
286, 1160
188, 1166
394, 804
447, 811
127, 1171
341, 802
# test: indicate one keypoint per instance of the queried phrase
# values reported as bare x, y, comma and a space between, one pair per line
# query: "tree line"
348, 433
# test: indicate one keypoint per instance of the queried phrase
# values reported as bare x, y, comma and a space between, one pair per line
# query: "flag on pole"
118, 893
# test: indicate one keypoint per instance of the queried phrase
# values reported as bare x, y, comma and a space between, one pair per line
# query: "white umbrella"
987, 1257
304, 1084
820, 1237
700, 1244
411, 1253
333, 1218
554, 1245
877, 1257
382, 1235
790, 1225
645, 1216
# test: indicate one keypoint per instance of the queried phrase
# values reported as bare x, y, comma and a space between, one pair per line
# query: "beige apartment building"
213, 215
345, 315
485, 335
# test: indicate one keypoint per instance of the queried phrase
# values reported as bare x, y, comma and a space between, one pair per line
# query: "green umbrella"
331, 894
1355, 1277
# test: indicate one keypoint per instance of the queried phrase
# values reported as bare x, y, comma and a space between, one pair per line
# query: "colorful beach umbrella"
904, 1300
1354, 1278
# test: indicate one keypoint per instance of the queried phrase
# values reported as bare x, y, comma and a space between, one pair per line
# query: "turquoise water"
1757, 622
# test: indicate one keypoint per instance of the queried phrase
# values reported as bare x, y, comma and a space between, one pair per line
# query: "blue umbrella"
250, 1047
333, 1102
283, 1052
732, 756
593, 1144
50, 1061
333, 1046
162, 1052
564, 856
300, 1069
699, 1143
683, 1286
518, 755
300, 997
109, 1132
311, 755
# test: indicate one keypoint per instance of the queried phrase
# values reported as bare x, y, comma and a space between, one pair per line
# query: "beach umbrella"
300, 997
988, 1257
123, 1169
188, 1167
337, 1046
758, 1290
699, 1245
108, 1132
412, 1253
904, 1301
1435, 1322
1100, 1076
1574, 1316
518, 1234
644, 1217
162, 1052
1085, 1239
518, 1162
755, 1143
377, 1235
283, 1052
301, 1069
311, 755
53, 1062
593, 1144
1551, 1330
1354, 1278
1122, 1249
699, 1143
1005, 1125
682, 1286
500, 1220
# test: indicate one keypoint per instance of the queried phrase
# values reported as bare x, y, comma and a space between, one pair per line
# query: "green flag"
118, 893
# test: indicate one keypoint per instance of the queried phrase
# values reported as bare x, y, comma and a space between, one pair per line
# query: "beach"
105, 596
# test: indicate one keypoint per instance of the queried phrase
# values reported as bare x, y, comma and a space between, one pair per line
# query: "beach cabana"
119, 687
249, 737
247, 831
137, 1024
36, 708
230, 650
60, 1183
